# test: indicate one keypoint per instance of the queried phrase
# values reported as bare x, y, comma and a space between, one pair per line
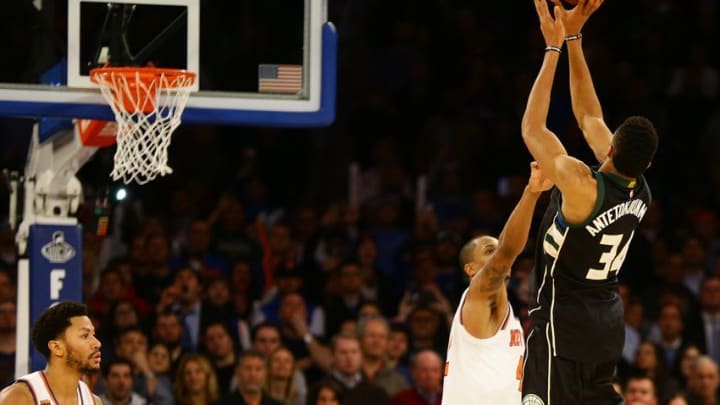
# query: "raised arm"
542, 143
513, 237
585, 104
573, 177
486, 304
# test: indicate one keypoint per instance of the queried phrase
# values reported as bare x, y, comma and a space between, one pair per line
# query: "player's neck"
62, 380
609, 167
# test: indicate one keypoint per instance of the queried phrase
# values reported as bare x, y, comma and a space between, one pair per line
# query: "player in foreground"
65, 335
577, 330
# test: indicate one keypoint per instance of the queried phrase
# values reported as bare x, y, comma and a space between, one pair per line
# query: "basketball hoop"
148, 104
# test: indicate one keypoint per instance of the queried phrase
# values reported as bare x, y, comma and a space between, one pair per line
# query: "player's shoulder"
17, 393
572, 168
97, 400
574, 177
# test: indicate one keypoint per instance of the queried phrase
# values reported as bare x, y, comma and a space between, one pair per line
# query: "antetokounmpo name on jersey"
632, 207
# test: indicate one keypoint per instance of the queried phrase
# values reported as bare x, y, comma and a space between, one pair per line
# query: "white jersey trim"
467, 333
42, 393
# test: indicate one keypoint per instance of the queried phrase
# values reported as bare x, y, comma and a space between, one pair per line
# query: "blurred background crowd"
251, 270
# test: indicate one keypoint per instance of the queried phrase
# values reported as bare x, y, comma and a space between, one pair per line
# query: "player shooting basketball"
577, 331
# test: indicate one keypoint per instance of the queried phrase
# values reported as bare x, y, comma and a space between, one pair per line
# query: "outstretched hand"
575, 18
538, 183
552, 29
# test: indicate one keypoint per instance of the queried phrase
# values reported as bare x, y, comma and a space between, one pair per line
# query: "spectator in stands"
279, 383
8, 320
220, 348
195, 381
122, 316
132, 346
196, 253
427, 329
154, 274
704, 382
684, 363
300, 329
366, 253
288, 280
218, 299
349, 298
184, 297
347, 372
325, 393
709, 333
118, 377
640, 390
159, 362
373, 333
251, 372
168, 330
231, 234
696, 263
670, 327
243, 289
112, 289
651, 361
266, 338
397, 351
427, 376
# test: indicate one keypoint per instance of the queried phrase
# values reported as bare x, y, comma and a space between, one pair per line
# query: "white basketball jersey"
43, 395
484, 371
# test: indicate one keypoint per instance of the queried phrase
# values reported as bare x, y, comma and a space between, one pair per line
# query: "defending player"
486, 343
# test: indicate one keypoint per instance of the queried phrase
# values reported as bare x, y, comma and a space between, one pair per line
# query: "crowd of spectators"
248, 273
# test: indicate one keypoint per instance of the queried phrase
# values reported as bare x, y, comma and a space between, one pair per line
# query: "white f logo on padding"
56, 283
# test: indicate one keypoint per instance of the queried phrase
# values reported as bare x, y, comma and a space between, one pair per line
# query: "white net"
148, 104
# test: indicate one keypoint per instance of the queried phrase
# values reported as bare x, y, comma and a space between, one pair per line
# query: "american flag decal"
284, 79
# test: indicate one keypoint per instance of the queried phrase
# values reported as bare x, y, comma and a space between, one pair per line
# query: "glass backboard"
270, 62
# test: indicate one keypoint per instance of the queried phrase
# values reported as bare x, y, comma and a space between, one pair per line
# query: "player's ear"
469, 269
57, 347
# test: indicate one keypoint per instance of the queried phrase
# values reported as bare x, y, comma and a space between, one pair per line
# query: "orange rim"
143, 74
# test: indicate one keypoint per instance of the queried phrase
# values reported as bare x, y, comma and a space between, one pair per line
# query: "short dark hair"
114, 362
640, 376
467, 253
224, 326
188, 269
250, 353
343, 336
130, 329
635, 143
365, 321
262, 325
53, 323
312, 396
